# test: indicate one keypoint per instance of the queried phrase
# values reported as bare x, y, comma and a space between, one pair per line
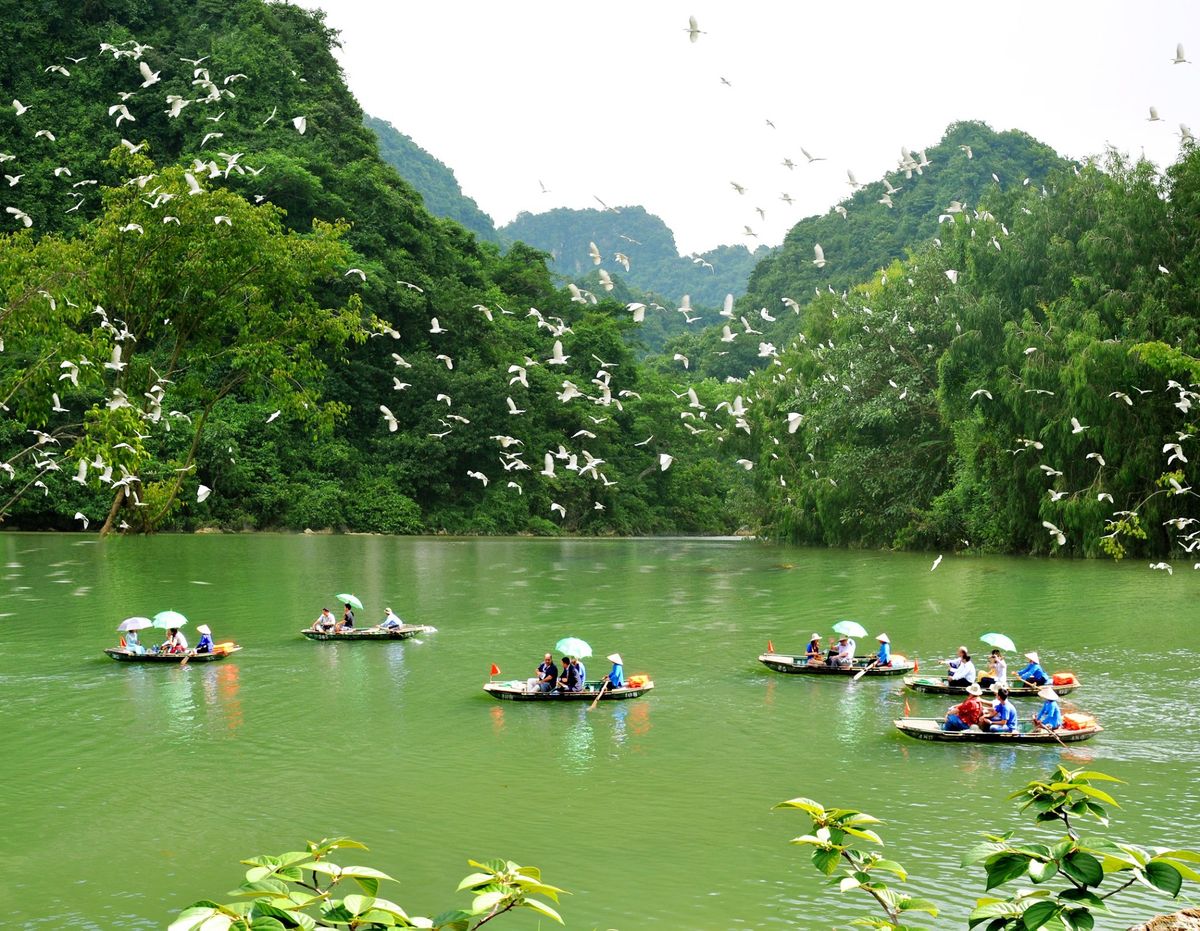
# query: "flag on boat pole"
770, 647
495, 670
907, 710
916, 665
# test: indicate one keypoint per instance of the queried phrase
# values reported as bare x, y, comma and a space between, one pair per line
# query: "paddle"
862, 672
186, 657
1040, 725
598, 694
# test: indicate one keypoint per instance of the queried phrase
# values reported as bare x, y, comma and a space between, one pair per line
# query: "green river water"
131, 790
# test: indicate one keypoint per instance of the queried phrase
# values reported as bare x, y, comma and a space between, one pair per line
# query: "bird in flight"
693, 30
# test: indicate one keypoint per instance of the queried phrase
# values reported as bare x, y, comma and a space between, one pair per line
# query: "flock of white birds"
601, 391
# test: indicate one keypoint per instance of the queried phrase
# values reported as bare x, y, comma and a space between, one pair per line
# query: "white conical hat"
883, 638
616, 658
1048, 693
203, 628
1033, 656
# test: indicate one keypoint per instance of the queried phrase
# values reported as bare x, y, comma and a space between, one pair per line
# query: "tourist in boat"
131, 644
884, 656
1049, 716
962, 670
997, 673
843, 653
1003, 718
390, 621
325, 621
347, 621
582, 671
569, 680
176, 642
547, 675
969, 712
1033, 673
616, 675
814, 654
205, 643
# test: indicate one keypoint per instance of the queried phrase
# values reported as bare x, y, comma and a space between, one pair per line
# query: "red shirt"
971, 711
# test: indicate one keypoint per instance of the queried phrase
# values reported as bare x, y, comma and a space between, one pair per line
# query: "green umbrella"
573, 646
1000, 642
169, 619
349, 600
850, 628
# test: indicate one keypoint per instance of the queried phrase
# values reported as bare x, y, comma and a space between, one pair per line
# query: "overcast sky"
611, 100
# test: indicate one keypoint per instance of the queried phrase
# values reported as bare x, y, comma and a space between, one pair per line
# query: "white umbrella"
135, 623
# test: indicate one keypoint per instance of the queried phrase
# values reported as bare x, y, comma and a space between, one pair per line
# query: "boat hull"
124, 656
785, 662
936, 685
369, 633
508, 692
931, 729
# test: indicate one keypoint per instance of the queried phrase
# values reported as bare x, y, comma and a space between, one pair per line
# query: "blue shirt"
1049, 714
205, 644
885, 654
1004, 717
1033, 673
616, 676
582, 674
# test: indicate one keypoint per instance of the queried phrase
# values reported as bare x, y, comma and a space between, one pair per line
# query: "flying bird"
693, 30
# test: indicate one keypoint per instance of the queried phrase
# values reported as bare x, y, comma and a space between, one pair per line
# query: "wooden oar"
598, 694
862, 672
186, 657
1039, 724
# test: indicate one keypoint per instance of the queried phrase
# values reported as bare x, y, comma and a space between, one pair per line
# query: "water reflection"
579, 744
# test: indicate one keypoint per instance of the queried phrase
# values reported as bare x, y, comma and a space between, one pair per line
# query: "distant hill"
432, 178
655, 265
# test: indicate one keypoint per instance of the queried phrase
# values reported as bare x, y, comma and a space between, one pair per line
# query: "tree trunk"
112, 512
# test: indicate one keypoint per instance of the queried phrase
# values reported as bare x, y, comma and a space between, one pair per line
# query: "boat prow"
517, 691
931, 729
790, 663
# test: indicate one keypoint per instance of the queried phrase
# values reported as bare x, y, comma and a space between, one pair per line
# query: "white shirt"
846, 650
179, 640
962, 672
1001, 672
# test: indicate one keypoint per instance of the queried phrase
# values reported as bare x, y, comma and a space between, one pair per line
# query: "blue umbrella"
850, 628
573, 646
168, 619
1000, 642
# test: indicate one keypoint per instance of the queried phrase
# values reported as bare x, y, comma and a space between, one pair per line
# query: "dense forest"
220, 306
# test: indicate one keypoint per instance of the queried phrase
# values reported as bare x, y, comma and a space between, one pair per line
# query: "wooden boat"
931, 729
220, 652
937, 685
784, 662
516, 691
370, 633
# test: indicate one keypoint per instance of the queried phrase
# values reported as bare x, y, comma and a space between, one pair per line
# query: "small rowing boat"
519, 691
938, 685
931, 729
220, 651
783, 662
370, 633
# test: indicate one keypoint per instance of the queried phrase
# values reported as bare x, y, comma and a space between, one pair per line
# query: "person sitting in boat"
1003, 718
581, 670
1033, 673
884, 656
962, 670
1049, 716
176, 642
132, 644
843, 653
547, 675
814, 654
325, 621
969, 712
997, 673
390, 621
347, 621
568, 680
205, 643
616, 675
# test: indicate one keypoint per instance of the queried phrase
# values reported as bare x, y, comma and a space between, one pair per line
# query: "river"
131, 791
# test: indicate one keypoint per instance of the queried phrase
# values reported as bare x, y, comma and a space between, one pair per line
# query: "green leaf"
486, 901
865, 834
1080, 919
1097, 794
890, 866
1040, 871
1083, 868
825, 859
805, 804
475, 879
1096, 777
368, 884
1190, 856
1039, 914
981, 852
1005, 867
918, 905
357, 904
543, 909
267, 924
1164, 876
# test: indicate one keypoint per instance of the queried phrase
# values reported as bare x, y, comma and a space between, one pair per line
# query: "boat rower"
390, 621
1033, 674
884, 656
1049, 716
205, 643
616, 675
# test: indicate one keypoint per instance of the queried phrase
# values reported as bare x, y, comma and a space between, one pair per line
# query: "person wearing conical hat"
616, 675
1049, 716
1033, 673
205, 643
970, 712
884, 657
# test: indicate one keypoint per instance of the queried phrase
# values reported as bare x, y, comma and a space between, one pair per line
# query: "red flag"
770, 647
907, 711
495, 670
916, 665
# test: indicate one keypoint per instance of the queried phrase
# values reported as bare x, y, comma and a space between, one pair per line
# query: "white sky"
612, 100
